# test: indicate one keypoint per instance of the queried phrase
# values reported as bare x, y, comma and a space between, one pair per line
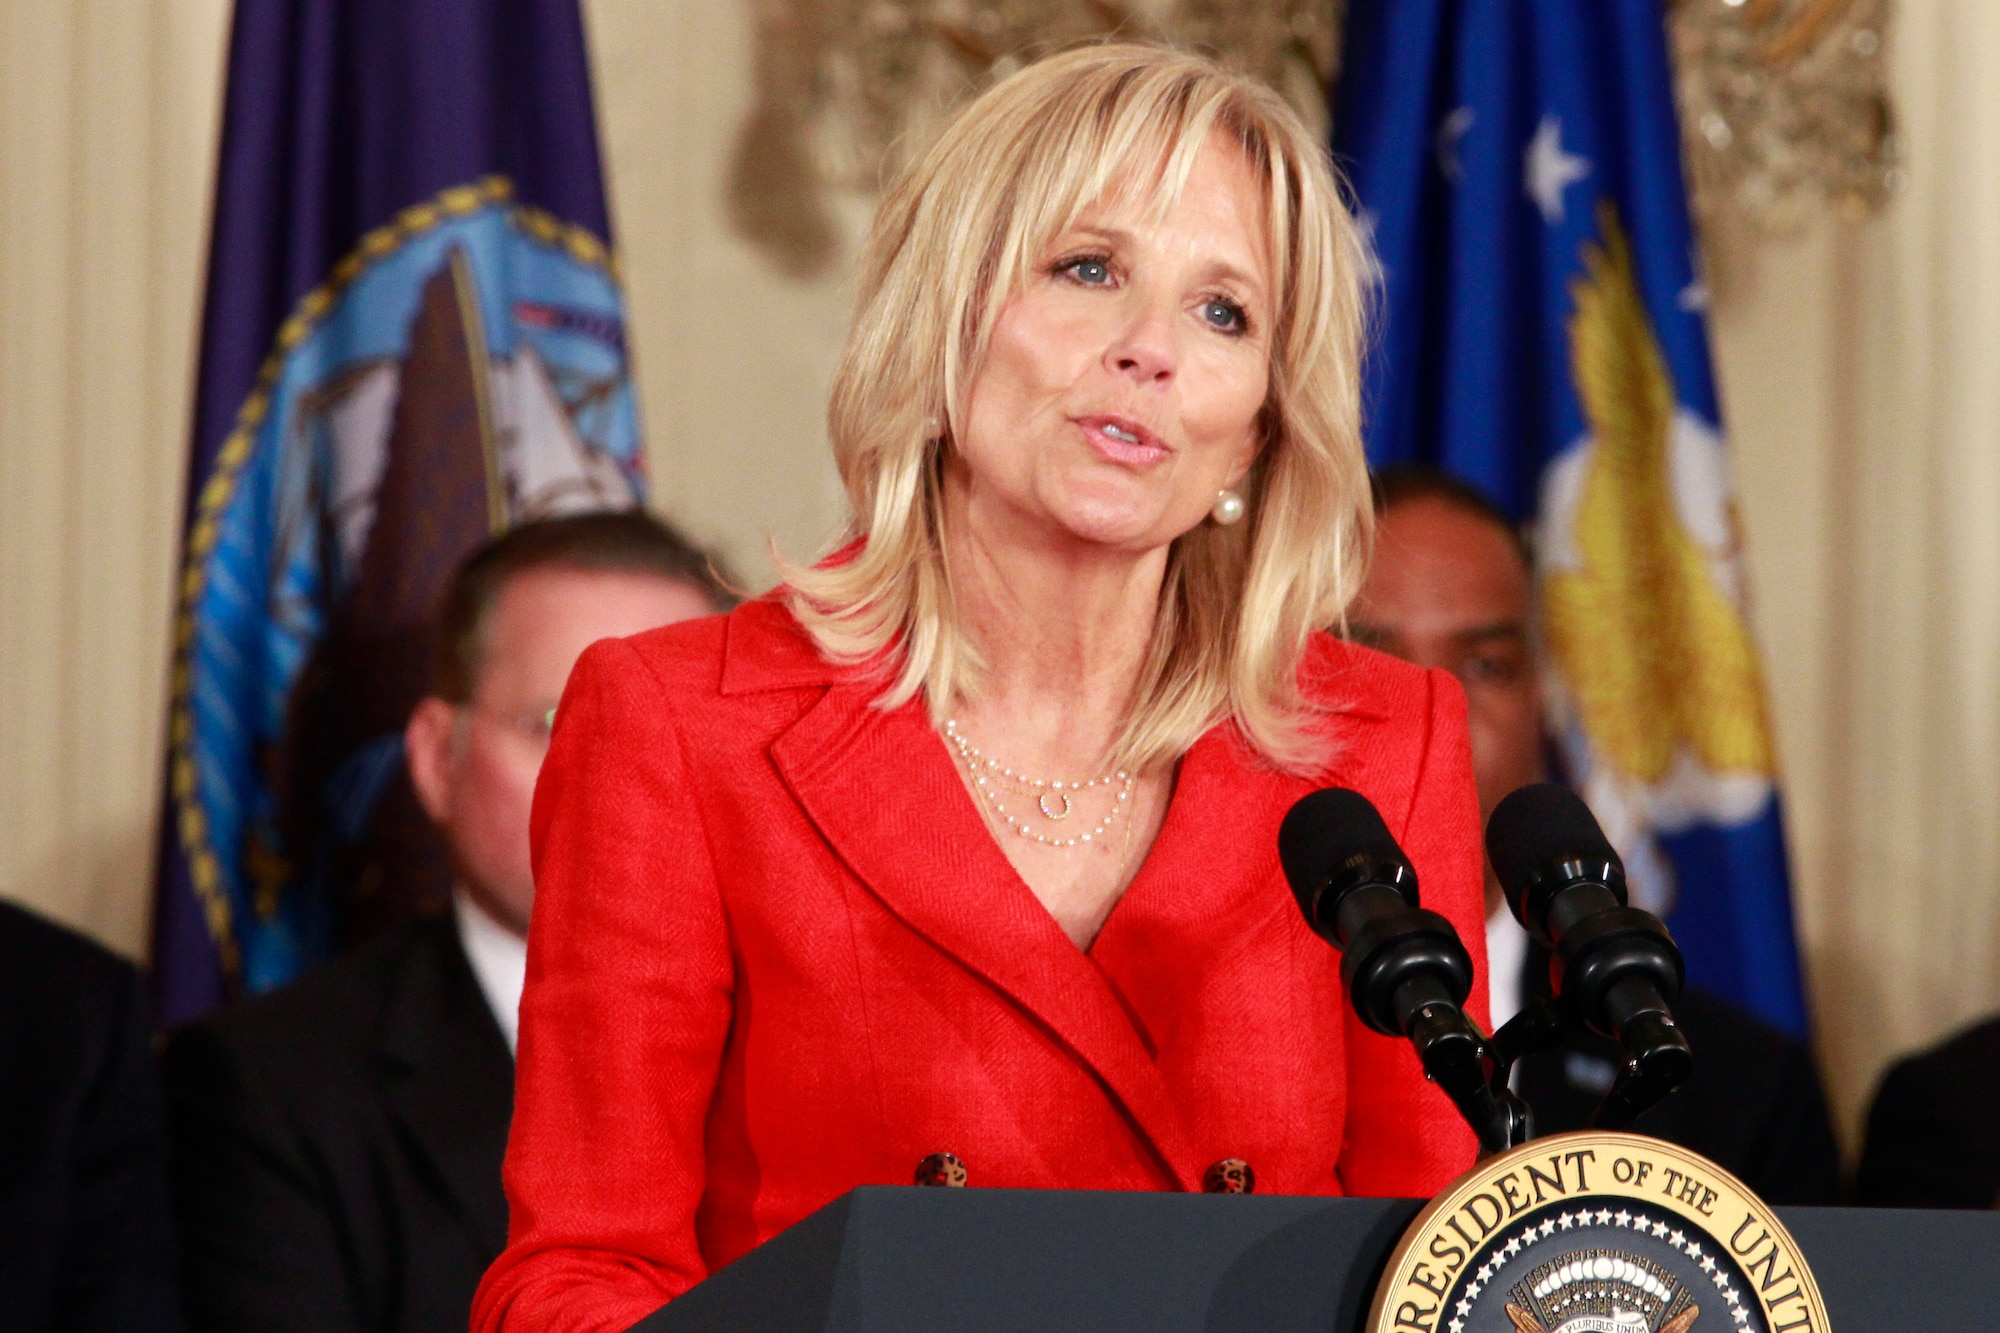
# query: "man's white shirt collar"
1506, 961
499, 960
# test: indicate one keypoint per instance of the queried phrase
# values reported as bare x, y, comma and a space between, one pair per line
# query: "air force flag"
1518, 163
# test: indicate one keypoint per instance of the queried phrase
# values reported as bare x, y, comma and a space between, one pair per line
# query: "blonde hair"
951, 244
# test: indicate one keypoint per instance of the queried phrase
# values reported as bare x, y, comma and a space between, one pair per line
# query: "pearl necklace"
986, 772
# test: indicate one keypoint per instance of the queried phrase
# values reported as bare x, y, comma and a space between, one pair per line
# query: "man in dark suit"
1934, 1130
337, 1145
1451, 586
86, 1227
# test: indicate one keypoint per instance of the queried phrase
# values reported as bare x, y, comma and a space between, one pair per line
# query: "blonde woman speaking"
954, 859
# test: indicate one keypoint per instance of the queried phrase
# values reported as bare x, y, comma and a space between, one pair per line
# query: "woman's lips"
1123, 440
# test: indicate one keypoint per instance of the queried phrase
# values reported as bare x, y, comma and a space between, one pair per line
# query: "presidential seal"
1597, 1232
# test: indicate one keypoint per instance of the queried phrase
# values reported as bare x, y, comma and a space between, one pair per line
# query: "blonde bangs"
950, 245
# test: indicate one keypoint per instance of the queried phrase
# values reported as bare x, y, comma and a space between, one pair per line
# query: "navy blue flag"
1518, 165
414, 337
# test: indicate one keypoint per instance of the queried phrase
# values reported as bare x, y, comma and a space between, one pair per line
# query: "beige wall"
1860, 368
733, 360
107, 117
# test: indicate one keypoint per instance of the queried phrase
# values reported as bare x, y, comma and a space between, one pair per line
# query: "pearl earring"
1228, 508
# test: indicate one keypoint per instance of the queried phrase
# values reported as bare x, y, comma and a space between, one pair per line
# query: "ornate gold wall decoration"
1784, 108
1783, 103
847, 90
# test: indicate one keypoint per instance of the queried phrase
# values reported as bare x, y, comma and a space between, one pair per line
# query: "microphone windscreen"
1325, 829
1539, 824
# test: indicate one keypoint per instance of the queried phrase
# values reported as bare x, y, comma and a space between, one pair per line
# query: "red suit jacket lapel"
883, 791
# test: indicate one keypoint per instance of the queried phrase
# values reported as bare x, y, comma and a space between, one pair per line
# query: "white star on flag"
1550, 170
1694, 298
1450, 131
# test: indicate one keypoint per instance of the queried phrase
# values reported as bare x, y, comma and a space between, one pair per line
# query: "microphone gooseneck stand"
1407, 973
1405, 970
1616, 969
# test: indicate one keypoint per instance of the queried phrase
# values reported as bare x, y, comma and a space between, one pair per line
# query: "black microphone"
1406, 971
1615, 967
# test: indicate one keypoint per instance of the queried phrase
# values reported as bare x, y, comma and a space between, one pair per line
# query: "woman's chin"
1116, 527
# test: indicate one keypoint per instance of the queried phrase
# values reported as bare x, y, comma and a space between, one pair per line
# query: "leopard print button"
941, 1168
1231, 1175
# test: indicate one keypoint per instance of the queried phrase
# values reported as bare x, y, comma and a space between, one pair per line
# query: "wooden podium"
977, 1259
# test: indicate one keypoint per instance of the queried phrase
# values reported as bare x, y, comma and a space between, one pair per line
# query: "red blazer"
776, 954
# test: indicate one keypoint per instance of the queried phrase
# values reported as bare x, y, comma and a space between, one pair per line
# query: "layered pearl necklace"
1052, 799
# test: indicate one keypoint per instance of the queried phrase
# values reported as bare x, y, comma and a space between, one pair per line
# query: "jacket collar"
446, 1078
883, 790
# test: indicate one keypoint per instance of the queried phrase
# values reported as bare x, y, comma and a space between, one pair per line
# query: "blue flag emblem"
1519, 167
462, 370
413, 338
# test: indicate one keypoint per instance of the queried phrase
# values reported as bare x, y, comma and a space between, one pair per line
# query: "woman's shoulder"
727, 685
1346, 678
1399, 738
683, 653
757, 647
1385, 716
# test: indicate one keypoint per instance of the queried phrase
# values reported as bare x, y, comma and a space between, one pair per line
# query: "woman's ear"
427, 747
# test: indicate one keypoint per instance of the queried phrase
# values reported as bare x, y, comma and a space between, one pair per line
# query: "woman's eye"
1225, 315
1089, 271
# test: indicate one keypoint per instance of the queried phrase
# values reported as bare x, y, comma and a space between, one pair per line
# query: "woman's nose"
1144, 348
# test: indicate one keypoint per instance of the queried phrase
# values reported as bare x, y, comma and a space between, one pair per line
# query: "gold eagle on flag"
1652, 648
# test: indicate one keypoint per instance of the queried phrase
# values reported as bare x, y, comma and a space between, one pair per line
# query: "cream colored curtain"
1860, 369
107, 126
